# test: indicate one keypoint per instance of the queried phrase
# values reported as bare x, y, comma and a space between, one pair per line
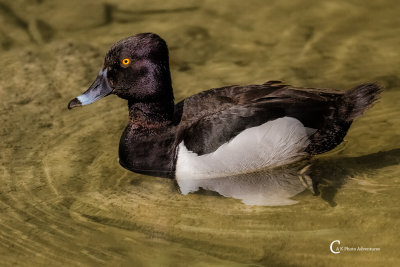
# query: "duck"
219, 132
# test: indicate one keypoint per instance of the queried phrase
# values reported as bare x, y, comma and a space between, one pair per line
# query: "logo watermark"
336, 248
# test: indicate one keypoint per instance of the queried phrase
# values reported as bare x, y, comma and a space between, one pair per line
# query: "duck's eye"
126, 61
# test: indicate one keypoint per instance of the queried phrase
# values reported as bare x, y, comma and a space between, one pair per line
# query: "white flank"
271, 144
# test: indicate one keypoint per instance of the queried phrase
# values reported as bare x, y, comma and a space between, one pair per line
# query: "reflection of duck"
270, 187
219, 132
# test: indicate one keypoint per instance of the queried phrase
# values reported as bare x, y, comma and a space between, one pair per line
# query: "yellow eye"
126, 61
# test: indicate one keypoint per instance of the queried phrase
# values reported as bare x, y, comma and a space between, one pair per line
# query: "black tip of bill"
74, 103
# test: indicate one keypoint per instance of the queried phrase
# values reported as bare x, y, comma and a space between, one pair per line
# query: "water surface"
64, 199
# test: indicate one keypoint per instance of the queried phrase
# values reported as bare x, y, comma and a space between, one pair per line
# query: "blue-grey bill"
99, 89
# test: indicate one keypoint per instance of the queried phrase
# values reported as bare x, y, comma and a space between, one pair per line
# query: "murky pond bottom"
64, 199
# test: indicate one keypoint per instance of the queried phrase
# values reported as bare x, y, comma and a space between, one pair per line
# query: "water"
64, 199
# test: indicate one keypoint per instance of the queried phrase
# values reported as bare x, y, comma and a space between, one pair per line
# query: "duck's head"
135, 68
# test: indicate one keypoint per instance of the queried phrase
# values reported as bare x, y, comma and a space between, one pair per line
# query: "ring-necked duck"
222, 131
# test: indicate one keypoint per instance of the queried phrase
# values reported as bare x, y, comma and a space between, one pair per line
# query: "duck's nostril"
74, 103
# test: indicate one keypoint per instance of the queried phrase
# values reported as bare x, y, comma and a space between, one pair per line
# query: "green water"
64, 199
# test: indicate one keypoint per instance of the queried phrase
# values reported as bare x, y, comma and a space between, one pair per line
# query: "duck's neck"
151, 114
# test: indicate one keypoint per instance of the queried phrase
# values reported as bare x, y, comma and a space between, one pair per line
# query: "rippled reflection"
271, 187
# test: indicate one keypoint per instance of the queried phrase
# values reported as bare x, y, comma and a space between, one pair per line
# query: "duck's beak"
99, 89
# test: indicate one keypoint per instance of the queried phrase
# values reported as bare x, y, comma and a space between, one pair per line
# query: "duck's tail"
351, 105
359, 99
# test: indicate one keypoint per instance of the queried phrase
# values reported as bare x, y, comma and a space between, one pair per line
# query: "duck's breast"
271, 144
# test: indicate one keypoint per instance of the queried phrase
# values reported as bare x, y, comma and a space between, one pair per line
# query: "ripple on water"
64, 199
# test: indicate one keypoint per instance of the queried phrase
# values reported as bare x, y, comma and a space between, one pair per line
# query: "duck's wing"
211, 118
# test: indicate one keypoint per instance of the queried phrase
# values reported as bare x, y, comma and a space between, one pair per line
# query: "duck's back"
211, 118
